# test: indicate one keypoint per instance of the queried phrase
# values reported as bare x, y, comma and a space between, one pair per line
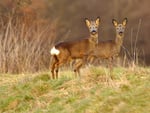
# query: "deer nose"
120, 32
94, 31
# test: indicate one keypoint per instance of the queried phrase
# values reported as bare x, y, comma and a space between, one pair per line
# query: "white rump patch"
54, 51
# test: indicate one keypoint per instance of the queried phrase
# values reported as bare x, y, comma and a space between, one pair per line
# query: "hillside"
93, 92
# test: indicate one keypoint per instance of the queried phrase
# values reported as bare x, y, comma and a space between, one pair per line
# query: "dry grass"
91, 93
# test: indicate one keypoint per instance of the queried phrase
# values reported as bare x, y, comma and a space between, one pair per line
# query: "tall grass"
131, 56
24, 48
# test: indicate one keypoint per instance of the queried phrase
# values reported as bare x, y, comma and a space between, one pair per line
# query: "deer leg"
53, 69
57, 68
54, 61
77, 66
110, 67
90, 59
58, 64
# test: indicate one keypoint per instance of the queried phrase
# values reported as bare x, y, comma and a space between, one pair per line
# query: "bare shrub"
24, 49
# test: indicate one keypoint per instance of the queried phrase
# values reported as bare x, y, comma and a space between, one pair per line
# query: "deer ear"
114, 22
98, 20
125, 20
87, 22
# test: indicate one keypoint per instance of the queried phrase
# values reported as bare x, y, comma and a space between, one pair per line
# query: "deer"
72, 50
111, 48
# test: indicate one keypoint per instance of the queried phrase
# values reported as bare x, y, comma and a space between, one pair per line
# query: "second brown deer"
111, 48
65, 51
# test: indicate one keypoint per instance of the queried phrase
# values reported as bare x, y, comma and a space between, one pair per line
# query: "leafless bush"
132, 55
24, 49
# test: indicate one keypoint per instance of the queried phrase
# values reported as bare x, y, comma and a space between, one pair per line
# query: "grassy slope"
94, 92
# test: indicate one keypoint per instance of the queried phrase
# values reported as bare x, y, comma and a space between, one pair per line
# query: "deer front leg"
110, 67
77, 67
90, 59
79, 64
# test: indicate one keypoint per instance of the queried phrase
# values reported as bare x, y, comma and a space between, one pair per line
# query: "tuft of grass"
42, 77
98, 71
57, 83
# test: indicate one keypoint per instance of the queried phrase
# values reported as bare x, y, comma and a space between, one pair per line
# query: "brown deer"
79, 49
111, 48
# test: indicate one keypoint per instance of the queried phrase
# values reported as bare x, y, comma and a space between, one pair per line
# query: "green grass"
93, 92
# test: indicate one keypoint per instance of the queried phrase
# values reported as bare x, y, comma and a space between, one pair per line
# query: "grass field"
93, 92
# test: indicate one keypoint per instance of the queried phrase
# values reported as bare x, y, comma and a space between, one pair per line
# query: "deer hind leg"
53, 69
59, 64
57, 69
54, 61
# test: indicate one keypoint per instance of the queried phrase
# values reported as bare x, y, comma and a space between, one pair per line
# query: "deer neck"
119, 39
94, 38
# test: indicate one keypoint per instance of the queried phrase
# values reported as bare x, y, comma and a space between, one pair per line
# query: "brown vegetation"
29, 28
24, 41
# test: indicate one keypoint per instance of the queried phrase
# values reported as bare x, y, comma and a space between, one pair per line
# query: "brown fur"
110, 49
74, 50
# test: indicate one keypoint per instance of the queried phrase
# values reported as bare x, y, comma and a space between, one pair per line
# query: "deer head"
120, 28
93, 25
